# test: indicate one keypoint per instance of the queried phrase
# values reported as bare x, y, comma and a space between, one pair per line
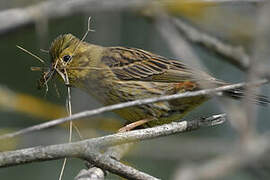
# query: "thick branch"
95, 173
116, 167
89, 113
78, 149
91, 174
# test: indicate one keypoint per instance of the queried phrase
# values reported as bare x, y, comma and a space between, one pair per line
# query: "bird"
120, 74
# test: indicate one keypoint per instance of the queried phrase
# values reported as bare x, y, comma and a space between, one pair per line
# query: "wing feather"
137, 64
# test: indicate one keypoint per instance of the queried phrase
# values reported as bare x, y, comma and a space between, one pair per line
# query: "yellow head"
71, 59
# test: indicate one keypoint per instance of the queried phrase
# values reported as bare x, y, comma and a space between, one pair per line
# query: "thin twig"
69, 109
89, 113
28, 52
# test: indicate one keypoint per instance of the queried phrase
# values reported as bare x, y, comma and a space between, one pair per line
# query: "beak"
62, 74
46, 76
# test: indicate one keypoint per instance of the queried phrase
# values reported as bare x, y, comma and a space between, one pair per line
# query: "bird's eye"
66, 58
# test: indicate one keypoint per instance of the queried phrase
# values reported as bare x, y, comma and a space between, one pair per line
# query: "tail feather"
239, 93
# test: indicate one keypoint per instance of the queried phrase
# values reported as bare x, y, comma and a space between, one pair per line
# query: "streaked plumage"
117, 74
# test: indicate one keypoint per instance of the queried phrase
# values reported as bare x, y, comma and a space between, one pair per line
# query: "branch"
116, 167
219, 2
91, 174
86, 114
95, 173
249, 154
236, 55
18, 17
23, 16
78, 149
87, 149
177, 43
252, 147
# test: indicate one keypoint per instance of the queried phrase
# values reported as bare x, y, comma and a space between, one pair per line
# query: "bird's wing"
137, 64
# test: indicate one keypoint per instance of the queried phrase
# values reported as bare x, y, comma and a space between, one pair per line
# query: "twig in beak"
39, 68
28, 52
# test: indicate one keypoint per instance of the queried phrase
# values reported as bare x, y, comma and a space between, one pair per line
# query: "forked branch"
89, 149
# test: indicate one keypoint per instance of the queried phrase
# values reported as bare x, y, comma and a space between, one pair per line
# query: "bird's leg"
134, 125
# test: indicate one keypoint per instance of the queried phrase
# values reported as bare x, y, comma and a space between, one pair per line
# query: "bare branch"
249, 154
180, 46
219, 2
251, 147
87, 149
91, 174
18, 17
89, 113
234, 54
95, 173
76, 149
114, 166
23, 16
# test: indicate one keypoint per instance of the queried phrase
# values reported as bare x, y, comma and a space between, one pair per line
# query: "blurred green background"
159, 157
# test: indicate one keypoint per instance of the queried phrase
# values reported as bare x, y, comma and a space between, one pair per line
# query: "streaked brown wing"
137, 64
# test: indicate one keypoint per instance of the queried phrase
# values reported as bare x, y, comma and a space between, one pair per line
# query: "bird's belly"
114, 92
161, 115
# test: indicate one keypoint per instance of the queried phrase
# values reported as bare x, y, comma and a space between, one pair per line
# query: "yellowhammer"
117, 74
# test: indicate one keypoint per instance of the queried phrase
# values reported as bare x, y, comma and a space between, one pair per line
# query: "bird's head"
69, 60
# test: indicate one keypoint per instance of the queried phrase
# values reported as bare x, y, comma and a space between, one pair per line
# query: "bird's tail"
239, 93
